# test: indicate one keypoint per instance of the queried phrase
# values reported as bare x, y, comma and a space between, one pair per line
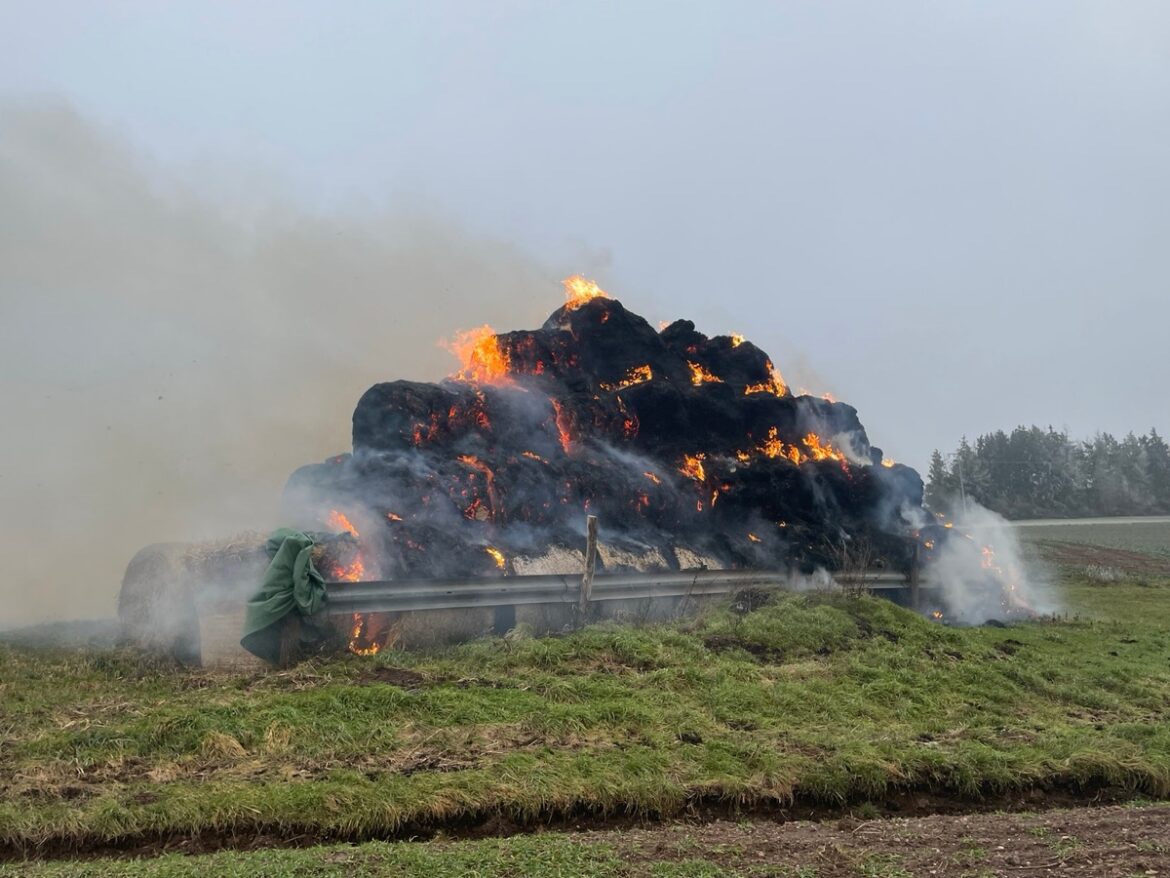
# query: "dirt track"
1110, 841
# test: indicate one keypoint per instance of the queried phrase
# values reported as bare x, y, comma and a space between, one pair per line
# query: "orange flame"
736, 339
339, 521
354, 571
692, 467
653, 478
393, 516
988, 560
753, 538
496, 554
822, 450
774, 447
888, 462
578, 291
636, 375
774, 385
362, 640
479, 352
699, 375
351, 572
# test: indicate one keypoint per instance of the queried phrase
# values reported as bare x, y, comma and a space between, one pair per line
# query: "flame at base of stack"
369, 632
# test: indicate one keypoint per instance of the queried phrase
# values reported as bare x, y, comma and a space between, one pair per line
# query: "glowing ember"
699, 375
479, 513
393, 516
532, 455
578, 291
482, 358
653, 478
564, 431
753, 538
636, 375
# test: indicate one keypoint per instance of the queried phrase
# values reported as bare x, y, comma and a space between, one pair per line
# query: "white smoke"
979, 571
170, 352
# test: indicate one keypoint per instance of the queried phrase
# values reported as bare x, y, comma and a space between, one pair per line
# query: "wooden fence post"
590, 565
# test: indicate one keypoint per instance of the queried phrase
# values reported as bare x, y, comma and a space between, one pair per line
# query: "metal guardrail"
413, 595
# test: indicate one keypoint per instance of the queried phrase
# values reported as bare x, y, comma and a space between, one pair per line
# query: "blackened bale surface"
673, 438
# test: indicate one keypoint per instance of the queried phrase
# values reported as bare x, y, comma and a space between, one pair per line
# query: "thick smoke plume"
168, 357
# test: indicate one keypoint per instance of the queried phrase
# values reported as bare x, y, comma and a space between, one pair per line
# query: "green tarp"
291, 585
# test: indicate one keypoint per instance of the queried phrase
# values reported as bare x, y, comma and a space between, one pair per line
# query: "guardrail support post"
590, 566
915, 595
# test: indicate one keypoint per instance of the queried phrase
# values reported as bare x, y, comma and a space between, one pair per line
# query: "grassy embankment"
812, 699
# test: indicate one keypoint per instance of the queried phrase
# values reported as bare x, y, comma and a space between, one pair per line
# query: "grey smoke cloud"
168, 357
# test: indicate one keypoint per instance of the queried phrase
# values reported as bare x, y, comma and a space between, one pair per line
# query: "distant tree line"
1035, 473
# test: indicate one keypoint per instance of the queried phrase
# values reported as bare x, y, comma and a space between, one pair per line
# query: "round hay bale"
167, 587
156, 605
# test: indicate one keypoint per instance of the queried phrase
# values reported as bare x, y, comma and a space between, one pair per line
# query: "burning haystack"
690, 449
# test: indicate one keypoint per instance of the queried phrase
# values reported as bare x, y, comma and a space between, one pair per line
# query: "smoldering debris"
977, 566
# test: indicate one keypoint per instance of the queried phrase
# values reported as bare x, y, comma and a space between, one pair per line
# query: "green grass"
540, 856
546, 855
823, 700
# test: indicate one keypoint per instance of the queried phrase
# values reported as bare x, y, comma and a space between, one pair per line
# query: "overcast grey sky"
957, 213
954, 216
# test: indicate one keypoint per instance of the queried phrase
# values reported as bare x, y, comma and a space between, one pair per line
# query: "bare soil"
1079, 555
1113, 841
